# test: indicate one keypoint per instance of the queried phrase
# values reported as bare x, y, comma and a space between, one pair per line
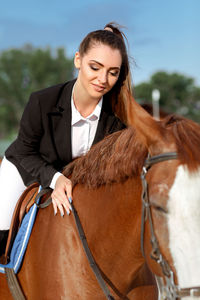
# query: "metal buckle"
194, 291
167, 290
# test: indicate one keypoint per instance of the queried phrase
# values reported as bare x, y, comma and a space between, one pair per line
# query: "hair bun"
108, 28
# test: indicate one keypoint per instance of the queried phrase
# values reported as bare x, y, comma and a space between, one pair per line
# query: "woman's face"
99, 70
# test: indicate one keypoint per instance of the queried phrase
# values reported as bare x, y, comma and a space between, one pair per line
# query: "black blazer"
43, 145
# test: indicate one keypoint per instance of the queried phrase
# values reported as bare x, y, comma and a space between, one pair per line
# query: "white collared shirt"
83, 131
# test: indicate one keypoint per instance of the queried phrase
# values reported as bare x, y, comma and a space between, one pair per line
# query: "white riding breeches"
11, 188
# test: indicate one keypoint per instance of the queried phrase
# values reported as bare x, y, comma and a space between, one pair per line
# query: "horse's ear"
149, 129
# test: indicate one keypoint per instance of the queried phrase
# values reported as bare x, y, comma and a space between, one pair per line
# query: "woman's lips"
98, 88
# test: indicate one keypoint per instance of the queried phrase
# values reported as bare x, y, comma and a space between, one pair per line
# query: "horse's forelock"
187, 139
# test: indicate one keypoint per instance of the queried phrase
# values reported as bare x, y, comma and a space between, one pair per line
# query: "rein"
167, 288
100, 276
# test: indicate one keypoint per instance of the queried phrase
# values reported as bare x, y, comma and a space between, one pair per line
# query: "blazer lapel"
105, 121
60, 123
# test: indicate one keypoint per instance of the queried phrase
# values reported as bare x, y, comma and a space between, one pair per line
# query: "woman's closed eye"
95, 68
114, 73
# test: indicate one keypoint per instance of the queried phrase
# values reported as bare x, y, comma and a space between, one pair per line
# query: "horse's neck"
111, 217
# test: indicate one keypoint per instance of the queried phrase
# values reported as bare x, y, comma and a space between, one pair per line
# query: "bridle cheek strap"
167, 288
169, 291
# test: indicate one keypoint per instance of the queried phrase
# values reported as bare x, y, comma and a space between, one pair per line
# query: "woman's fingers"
60, 205
54, 206
67, 207
57, 205
62, 195
69, 190
61, 210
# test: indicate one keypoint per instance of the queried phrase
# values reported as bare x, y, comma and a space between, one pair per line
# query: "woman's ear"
77, 60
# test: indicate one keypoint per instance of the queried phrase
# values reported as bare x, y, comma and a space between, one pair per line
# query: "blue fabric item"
21, 240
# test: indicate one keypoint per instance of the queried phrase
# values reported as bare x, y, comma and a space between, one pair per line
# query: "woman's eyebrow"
97, 62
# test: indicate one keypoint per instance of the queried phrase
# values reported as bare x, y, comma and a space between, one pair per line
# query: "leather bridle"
168, 290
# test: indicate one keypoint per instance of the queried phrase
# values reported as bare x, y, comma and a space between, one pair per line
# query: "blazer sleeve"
28, 143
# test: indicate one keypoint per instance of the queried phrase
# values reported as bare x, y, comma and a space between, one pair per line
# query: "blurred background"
38, 40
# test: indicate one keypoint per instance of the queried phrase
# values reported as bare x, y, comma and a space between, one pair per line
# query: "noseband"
167, 288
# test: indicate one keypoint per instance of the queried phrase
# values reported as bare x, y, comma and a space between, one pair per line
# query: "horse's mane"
114, 159
121, 155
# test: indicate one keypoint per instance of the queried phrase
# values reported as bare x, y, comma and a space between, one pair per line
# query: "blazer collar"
105, 121
64, 101
60, 123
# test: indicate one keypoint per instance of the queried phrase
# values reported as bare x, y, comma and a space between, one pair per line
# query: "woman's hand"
62, 195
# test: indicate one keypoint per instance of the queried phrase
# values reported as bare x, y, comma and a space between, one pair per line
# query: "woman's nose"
102, 78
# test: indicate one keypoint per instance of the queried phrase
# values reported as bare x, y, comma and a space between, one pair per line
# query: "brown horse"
107, 195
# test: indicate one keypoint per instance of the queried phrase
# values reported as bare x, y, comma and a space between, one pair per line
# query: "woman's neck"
84, 104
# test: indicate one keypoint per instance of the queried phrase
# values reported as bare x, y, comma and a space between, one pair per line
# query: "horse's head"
171, 196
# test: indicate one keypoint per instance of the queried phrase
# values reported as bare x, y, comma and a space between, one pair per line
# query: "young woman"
62, 122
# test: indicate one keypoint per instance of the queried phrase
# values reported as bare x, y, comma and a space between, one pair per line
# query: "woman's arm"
29, 156
28, 143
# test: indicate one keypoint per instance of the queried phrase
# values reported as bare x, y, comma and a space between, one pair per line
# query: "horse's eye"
159, 208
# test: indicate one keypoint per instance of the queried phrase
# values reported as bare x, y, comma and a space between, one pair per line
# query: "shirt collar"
76, 116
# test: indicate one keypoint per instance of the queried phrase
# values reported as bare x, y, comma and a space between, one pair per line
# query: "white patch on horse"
163, 188
184, 226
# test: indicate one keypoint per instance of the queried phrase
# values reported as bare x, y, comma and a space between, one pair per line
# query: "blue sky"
162, 35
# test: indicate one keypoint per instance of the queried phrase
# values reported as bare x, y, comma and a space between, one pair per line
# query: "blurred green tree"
178, 94
23, 71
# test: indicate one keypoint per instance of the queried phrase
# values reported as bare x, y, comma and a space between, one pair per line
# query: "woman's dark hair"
113, 37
